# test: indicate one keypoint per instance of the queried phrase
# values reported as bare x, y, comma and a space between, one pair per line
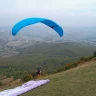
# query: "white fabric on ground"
24, 88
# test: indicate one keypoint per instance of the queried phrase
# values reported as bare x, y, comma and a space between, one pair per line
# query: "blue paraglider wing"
30, 21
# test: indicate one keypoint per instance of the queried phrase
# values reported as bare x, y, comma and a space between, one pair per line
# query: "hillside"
79, 81
49, 56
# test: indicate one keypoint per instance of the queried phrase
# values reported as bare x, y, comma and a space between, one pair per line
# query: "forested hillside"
49, 56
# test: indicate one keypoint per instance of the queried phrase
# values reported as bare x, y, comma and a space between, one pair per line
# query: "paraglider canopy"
30, 21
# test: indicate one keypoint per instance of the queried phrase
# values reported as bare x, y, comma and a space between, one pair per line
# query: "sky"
68, 13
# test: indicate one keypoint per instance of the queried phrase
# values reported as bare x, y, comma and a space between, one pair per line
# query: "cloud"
65, 5
68, 10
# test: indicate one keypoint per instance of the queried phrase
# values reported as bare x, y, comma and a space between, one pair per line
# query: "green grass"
80, 81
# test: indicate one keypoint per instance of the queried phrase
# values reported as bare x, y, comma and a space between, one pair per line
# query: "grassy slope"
80, 81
